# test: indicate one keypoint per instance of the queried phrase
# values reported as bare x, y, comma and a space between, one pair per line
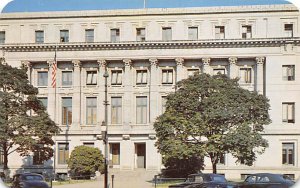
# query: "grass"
69, 182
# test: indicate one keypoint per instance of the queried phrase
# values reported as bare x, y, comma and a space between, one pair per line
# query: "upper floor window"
115, 35
288, 153
288, 72
67, 111
89, 35
116, 77
245, 75
67, 78
167, 76
91, 78
39, 36
288, 112
91, 110
288, 30
246, 32
44, 101
116, 110
2, 37
141, 77
219, 32
89, 144
42, 78
193, 33
218, 71
140, 34
64, 35
141, 110
37, 158
166, 33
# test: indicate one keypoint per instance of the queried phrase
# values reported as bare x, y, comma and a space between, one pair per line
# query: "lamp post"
105, 139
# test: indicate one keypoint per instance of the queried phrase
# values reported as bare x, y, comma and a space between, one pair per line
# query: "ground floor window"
63, 153
288, 153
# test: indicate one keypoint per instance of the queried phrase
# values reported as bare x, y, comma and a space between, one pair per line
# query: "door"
140, 155
115, 153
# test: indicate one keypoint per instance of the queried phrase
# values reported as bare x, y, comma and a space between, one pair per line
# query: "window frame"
248, 70
115, 77
94, 73
196, 37
245, 34
143, 109
64, 36
39, 38
43, 83
116, 110
289, 29
285, 75
2, 37
286, 113
286, 160
167, 33
89, 38
139, 36
218, 32
66, 120
115, 37
168, 71
93, 108
142, 81
66, 150
69, 81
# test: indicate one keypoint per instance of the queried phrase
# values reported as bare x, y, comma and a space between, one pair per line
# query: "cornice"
180, 44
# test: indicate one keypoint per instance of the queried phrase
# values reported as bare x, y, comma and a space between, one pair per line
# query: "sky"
72, 5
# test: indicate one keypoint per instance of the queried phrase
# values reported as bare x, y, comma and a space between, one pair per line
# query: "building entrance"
140, 153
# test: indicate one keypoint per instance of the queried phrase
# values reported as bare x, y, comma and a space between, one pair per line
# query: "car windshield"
32, 177
219, 179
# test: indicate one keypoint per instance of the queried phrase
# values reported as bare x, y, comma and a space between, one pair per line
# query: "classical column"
52, 98
128, 87
233, 67
76, 101
179, 69
102, 63
260, 74
206, 63
154, 90
28, 65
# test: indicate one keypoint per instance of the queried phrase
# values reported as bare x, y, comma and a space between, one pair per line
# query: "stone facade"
145, 53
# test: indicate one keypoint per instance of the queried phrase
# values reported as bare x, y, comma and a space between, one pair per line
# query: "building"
146, 51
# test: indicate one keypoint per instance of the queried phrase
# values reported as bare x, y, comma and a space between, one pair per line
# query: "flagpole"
54, 85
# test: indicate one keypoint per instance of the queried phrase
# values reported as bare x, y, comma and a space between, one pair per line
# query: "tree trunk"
214, 165
5, 158
214, 160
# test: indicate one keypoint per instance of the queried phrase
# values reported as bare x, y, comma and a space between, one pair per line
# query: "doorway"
114, 154
140, 153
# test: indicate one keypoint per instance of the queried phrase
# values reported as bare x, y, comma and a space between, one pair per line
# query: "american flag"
54, 67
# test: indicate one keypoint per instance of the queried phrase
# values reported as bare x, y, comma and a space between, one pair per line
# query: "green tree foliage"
85, 161
25, 126
210, 116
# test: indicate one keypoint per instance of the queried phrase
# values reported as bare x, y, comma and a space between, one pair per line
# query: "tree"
85, 161
210, 116
25, 126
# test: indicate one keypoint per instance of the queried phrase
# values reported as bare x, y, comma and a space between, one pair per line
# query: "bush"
85, 161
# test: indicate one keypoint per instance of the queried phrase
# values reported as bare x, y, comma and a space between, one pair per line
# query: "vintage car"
204, 181
29, 180
267, 180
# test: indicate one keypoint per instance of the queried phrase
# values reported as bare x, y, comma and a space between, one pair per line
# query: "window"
220, 32
288, 112
39, 36
288, 72
64, 35
44, 101
193, 33
63, 153
116, 110
141, 110
42, 78
167, 76
91, 78
166, 33
221, 159
140, 34
89, 35
245, 75
288, 30
217, 71
141, 77
2, 37
116, 77
115, 35
288, 153
91, 110
163, 103
89, 144
67, 78
37, 158
191, 72
114, 153
246, 32
67, 111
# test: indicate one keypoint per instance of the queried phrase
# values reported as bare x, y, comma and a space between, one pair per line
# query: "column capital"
179, 61
2, 60
153, 61
232, 60
206, 61
127, 62
102, 62
76, 63
26, 64
260, 60
50, 63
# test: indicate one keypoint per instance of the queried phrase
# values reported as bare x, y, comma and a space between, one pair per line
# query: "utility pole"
105, 139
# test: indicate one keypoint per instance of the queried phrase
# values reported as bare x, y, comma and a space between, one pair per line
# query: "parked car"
267, 180
29, 180
204, 181
2, 184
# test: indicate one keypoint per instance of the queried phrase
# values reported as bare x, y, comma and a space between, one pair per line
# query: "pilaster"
232, 67
128, 87
260, 74
76, 100
102, 64
154, 90
179, 69
206, 65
